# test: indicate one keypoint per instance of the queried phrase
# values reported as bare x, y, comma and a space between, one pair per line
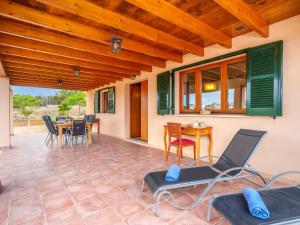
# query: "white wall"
4, 112
280, 150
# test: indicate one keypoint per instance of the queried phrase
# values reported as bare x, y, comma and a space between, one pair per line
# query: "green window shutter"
97, 102
111, 100
264, 80
163, 93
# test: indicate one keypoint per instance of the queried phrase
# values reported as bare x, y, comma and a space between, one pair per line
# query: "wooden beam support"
123, 59
24, 77
23, 67
172, 14
8, 50
243, 12
42, 77
50, 65
91, 11
22, 13
43, 85
49, 74
51, 82
19, 42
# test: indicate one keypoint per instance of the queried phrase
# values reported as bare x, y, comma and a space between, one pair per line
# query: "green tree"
64, 109
26, 112
76, 98
23, 101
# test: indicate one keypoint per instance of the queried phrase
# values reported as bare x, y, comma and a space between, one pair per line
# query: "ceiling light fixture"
116, 44
133, 77
76, 72
59, 83
210, 86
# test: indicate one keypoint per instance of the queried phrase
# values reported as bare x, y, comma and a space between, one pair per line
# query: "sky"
33, 91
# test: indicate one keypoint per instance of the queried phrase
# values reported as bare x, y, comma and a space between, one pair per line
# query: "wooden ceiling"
43, 41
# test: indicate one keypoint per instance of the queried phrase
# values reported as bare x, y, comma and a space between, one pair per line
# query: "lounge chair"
233, 164
283, 203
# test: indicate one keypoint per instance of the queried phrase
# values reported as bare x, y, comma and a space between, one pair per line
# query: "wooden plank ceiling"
43, 41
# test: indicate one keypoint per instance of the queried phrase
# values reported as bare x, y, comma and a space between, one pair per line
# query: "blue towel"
173, 173
256, 205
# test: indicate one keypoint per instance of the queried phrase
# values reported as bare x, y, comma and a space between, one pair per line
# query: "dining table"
193, 131
67, 125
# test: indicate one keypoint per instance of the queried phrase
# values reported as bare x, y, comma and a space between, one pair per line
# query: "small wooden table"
191, 131
61, 126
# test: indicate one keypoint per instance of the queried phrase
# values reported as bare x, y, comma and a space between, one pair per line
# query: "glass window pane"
189, 91
211, 89
237, 85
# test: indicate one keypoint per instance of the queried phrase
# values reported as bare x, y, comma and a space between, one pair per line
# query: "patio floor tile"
91, 205
66, 216
101, 184
103, 217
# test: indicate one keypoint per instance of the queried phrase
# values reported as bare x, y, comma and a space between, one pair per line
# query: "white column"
11, 110
90, 102
4, 113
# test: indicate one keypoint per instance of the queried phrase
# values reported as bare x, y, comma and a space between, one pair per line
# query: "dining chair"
78, 130
52, 131
174, 132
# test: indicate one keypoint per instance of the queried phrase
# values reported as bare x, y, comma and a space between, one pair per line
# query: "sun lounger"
283, 203
233, 164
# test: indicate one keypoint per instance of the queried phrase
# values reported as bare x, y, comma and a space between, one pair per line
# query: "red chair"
174, 131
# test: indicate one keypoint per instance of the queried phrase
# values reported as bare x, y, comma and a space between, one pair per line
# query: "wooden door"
144, 110
135, 110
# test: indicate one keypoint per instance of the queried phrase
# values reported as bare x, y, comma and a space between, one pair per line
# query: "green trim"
276, 76
173, 93
231, 54
163, 90
96, 105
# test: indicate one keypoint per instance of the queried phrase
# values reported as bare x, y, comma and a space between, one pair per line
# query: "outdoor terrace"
100, 184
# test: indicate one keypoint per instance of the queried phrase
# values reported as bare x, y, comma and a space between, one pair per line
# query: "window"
211, 89
219, 87
236, 95
105, 100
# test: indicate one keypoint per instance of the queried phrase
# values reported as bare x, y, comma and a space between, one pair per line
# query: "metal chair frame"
83, 136
244, 172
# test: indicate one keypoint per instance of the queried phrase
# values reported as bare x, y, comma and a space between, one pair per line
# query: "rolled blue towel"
256, 205
173, 173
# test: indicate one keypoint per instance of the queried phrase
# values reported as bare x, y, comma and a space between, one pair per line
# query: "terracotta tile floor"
96, 185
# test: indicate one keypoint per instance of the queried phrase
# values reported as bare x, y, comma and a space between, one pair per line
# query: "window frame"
103, 102
198, 85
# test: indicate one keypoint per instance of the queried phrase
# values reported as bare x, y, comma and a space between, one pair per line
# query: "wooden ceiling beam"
22, 13
29, 76
52, 86
20, 67
53, 80
49, 84
243, 12
172, 14
122, 59
19, 42
50, 65
93, 12
8, 50
13, 70
112, 5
